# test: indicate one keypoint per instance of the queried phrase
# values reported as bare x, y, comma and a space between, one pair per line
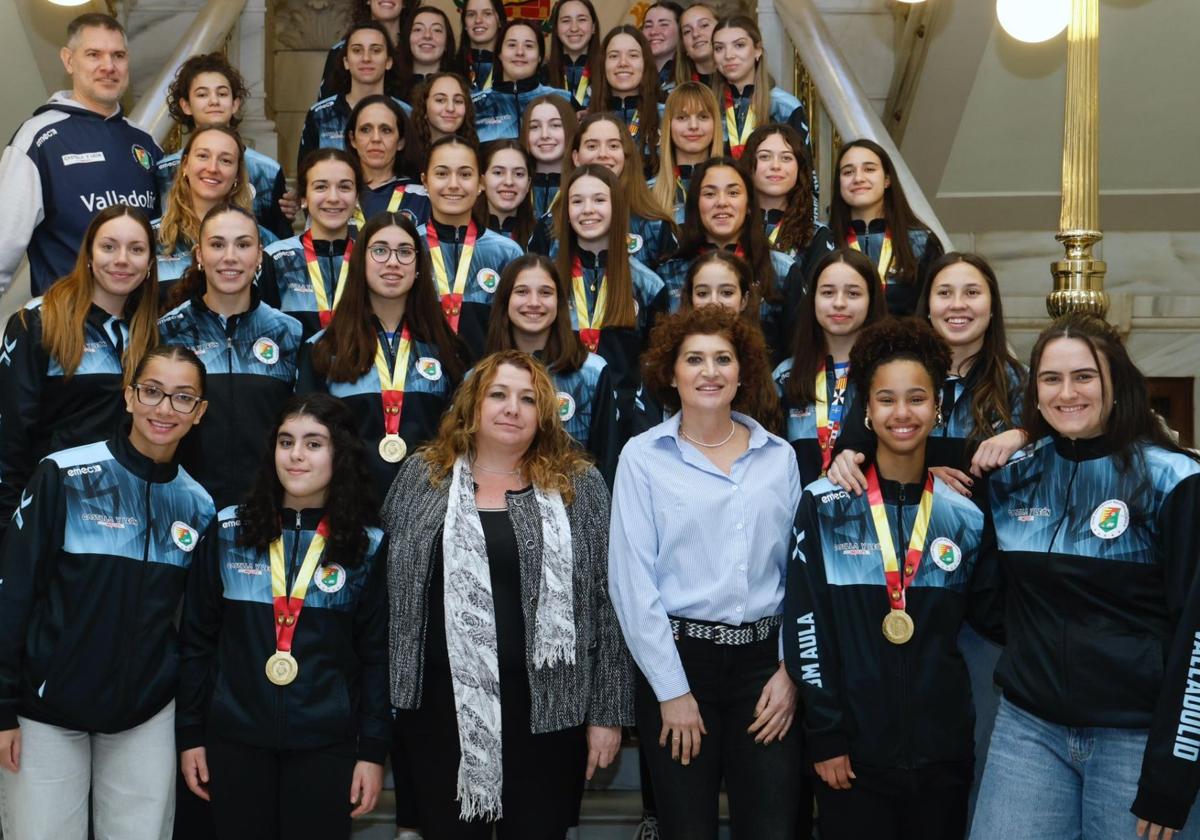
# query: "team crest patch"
487, 279
1110, 520
266, 351
330, 578
430, 368
142, 157
566, 406
184, 536
946, 554
634, 243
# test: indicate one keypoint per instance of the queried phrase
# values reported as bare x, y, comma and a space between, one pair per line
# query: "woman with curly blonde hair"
500, 535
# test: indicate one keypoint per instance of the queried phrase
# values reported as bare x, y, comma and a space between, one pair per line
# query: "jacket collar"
144, 468
862, 228
1082, 449
309, 518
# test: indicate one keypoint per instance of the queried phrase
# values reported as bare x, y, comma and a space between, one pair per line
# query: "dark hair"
555, 77
991, 400
1131, 421
422, 131
340, 79
897, 215
320, 156
647, 94
455, 140
569, 118
526, 222
407, 162
755, 396
896, 339
810, 346
347, 348
350, 503
798, 223
171, 353
740, 269
192, 282
753, 240
513, 23
463, 56
98, 20
677, 11
181, 85
564, 352
685, 68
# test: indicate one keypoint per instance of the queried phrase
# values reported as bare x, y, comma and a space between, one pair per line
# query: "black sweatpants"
261, 794
929, 803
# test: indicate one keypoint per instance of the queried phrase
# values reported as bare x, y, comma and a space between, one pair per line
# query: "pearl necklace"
728, 437
476, 464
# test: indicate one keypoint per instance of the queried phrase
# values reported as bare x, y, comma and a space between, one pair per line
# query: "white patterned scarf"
471, 632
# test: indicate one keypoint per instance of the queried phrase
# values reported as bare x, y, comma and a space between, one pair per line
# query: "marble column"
248, 52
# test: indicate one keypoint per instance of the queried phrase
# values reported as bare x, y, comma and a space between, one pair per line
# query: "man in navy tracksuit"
75, 156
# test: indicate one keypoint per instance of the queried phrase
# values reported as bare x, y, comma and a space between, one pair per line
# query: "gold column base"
1078, 279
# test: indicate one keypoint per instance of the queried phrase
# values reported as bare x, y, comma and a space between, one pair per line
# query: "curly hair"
893, 339
350, 502
181, 85
552, 459
422, 131
756, 396
799, 223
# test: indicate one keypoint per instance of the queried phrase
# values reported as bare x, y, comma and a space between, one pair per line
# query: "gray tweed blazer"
599, 687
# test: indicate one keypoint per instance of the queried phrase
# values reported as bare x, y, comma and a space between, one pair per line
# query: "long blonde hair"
689, 97
66, 304
551, 460
180, 222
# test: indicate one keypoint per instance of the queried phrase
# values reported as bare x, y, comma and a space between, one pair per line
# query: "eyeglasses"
405, 254
181, 401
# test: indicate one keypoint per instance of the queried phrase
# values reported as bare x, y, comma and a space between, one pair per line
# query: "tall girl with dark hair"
872, 634
304, 275
660, 25
507, 176
744, 88
248, 347
814, 384
1096, 526
93, 567
480, 22
625, 85
386, 144
869, 213
532, 314
467, 258
574, 47
431, 46
720, 213
498, 110
547, 128
392, 349
691, 135
292, 751
393, 15
65, 354
442, 106
614, 299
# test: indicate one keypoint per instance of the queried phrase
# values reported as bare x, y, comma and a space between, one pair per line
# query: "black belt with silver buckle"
726, 634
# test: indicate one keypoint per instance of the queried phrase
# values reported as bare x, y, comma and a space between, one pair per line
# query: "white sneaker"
647, 829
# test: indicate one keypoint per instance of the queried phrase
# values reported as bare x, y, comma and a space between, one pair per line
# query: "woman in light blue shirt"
702, 511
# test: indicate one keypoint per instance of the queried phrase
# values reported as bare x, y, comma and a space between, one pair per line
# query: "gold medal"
898, 627
393, 449
282, 667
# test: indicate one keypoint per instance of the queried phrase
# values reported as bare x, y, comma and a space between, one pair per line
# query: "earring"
939, 417
867, 422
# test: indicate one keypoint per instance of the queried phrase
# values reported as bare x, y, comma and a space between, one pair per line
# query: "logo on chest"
266, 351
945, 554
330, 578
1110, 520
566, 406
184, 536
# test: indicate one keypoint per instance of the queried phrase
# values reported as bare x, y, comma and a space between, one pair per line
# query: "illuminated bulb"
1033, 21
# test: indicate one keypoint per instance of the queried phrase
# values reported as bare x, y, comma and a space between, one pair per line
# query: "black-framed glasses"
405, 254
181, 401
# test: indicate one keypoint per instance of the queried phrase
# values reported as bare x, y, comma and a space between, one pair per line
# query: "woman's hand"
775, 709
289, 205
683, 725
1154, 831
10, 749
994, 452
844, 471
835, 772
194, 765
956, 480
603, 743
365, 786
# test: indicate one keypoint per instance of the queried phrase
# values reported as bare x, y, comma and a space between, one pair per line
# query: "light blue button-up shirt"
687, 540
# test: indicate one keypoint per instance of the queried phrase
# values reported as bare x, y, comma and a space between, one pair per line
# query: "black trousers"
929, 803
763, 781
543, 774
260, 794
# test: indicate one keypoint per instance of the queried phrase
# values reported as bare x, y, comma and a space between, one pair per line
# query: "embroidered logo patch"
330, 578
634, 243
946, 554
142, 157
487, 279
1110, 520
184, 536
266, 351
430, 368
566, 406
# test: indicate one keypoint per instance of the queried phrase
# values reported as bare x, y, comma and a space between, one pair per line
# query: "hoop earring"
867, 422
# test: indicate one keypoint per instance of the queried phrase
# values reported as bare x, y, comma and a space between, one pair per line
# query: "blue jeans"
1061, 782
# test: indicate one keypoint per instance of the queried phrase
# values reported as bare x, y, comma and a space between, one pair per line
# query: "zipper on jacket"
1066, 497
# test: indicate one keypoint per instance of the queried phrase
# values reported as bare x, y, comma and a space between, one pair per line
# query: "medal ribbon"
581, 90
774, 234
287, 607
589, 325
885, 253
317, 278
452, 298
392, 384
737, 141
829, 414
635, 123
897, 584
396, 199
